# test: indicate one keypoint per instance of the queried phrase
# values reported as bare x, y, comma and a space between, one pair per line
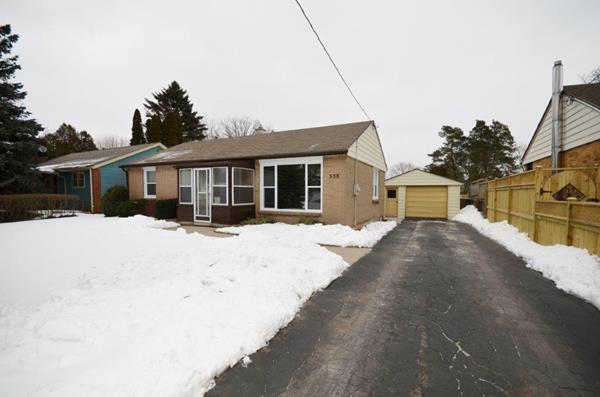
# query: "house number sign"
334, 176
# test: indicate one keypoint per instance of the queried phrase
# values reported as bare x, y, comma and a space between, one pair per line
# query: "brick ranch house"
90, 174
577, 128
333, 173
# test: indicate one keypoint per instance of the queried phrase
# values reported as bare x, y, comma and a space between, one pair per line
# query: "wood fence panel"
521, 200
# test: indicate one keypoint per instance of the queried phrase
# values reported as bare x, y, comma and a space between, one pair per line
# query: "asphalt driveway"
435, 309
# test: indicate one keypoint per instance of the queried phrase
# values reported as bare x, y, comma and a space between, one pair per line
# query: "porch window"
78, 180
293, 184
375, 184
185, 186
219, 190
243, 186
149, 182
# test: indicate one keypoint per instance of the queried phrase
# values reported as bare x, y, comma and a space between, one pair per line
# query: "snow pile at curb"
337, 235
108, 306
573, 269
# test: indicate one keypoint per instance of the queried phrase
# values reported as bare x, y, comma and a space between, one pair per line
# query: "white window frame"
146, 170
375, 184
73, 179
191, 186
233, 185
226, 186
306, 161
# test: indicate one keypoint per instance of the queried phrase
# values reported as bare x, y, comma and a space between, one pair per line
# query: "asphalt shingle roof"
302, 142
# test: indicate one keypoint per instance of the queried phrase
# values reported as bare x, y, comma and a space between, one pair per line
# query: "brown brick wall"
135, 183
338, 199
96, 187
587, 155
166, 182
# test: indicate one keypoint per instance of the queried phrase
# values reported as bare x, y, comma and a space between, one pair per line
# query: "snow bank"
338, 235
573, 270
107, 306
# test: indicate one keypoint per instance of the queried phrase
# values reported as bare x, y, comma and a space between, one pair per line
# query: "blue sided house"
90, 174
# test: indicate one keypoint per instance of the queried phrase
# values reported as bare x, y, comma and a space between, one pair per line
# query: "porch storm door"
202, 195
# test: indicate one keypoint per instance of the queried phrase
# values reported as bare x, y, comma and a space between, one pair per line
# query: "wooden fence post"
509, 204
538, 183
568, 238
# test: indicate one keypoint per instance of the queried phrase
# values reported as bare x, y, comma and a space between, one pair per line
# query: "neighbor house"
332, 174
90, 174
569, 130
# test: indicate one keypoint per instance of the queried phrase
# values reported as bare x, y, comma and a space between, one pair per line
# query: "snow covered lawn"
107, 306
338, 235
573, 269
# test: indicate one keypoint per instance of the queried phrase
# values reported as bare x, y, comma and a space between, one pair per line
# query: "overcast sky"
415, 66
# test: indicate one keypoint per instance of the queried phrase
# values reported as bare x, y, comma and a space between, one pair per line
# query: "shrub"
258, 221
21, 207
166, 209
130, 208
309, 220
114, 196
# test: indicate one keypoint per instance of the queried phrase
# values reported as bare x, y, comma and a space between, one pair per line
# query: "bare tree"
592, 77
400, 168
111, 141
234, 127
239, 126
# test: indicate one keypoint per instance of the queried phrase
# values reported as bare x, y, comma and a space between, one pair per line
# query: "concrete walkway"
435, 309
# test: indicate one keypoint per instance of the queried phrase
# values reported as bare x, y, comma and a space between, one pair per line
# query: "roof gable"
367, 148
419, 177
333, 139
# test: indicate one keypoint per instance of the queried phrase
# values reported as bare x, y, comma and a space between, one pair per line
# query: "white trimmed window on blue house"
78, 180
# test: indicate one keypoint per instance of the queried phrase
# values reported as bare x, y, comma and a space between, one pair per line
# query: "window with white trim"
375, 184
78, 180
185, 186
149, 182
219, 186
243, 186
292, 184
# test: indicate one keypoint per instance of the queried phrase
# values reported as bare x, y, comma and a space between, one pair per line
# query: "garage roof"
418, 177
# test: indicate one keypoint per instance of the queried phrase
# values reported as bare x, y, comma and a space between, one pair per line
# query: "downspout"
557, 86
355, 188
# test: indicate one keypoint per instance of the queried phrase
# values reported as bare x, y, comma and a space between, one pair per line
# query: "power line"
331, 60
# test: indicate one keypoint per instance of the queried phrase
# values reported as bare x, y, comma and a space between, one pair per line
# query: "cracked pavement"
435, 309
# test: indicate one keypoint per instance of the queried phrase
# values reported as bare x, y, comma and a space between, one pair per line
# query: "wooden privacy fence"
528, 202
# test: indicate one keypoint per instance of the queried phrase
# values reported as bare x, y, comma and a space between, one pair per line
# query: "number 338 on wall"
334, 176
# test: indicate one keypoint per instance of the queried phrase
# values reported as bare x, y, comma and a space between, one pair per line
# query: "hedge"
130, 208
166, 209
21, 207
114, 196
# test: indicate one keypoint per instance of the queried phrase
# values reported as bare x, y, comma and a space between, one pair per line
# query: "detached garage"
419, 194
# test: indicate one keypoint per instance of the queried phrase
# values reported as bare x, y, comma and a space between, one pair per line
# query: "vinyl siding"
581, 125
367, 149
65, 180
111, 174
401, 202
453, 201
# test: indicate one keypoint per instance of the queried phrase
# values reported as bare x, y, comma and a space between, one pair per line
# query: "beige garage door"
427, 201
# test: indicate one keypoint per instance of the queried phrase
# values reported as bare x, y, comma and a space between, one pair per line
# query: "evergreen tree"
175, 99
137, 131
450, 159
18, 133
67, 140
172, 130
492, 152
153, 129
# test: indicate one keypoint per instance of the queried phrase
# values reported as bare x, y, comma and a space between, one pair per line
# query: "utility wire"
331, 59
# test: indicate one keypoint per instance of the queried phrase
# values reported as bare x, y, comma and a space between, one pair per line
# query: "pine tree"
491, 151
137, 131
450, 159
153, 129
67, 140
175, 99
18, 133
172, 131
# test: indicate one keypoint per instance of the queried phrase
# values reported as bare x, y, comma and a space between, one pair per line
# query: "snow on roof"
69, 165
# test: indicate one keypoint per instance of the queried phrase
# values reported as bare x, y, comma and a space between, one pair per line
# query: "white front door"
202, 195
